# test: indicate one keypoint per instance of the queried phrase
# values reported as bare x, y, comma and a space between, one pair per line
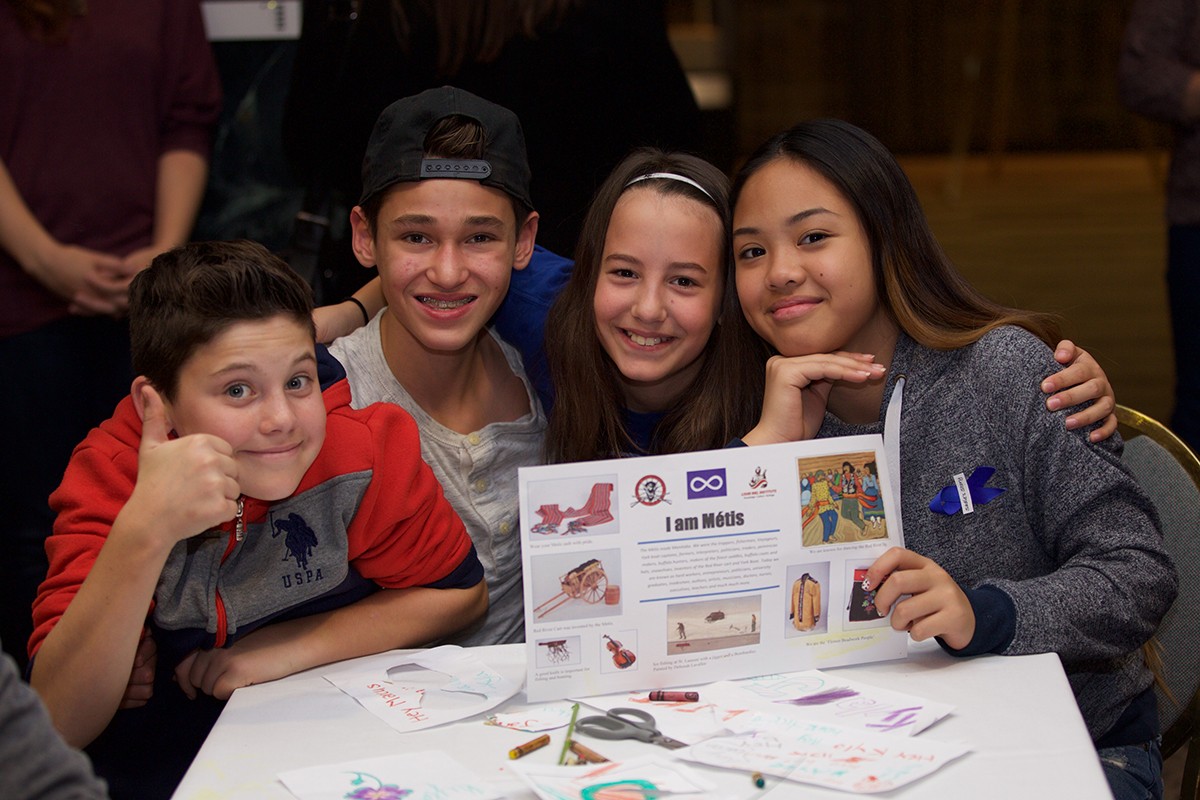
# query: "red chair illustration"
596, 511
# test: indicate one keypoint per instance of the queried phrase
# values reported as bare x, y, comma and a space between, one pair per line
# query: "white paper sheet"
419, 689
826, 697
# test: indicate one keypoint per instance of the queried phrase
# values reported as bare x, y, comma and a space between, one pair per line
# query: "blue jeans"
1134, 771
829, 521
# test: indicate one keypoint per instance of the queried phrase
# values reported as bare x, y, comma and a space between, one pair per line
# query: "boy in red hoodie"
258, 526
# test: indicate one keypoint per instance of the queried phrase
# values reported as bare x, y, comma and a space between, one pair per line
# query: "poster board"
644, 573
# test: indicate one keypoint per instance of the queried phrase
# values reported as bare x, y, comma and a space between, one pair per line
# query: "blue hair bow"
947, 500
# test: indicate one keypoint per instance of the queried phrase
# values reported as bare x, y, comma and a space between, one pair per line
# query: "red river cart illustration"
586, 582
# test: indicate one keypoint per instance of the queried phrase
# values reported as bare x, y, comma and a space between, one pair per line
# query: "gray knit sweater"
1073, 543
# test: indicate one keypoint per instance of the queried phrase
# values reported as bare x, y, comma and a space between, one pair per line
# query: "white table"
1016, 713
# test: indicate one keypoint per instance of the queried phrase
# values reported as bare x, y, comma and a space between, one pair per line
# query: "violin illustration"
621, 656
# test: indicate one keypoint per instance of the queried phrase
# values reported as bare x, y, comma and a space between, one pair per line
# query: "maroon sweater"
83, 123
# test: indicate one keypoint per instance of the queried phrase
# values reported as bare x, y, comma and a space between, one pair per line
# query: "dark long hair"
917, 284
588, 421
476, 31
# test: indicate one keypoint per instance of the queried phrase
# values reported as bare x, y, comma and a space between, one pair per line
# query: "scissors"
626, 723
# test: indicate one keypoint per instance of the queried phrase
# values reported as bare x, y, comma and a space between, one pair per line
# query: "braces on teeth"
444, 305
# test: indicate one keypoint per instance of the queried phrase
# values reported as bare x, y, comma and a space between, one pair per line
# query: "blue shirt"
521, 318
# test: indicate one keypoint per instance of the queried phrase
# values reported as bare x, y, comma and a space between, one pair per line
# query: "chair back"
1169, 472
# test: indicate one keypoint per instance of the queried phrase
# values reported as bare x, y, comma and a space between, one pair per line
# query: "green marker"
562, 757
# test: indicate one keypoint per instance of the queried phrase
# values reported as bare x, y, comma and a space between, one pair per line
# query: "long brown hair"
917, 284
588, 418
476, 31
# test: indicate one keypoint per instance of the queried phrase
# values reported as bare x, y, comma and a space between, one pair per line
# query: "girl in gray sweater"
1059, 551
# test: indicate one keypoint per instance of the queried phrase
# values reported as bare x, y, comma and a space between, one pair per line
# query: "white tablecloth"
1016, 713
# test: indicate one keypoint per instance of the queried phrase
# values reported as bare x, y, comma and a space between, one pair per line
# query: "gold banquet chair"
1169, 472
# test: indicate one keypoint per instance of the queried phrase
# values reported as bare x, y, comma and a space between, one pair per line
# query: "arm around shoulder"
1094, 579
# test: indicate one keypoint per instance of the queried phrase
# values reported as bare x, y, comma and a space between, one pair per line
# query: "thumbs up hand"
184, 486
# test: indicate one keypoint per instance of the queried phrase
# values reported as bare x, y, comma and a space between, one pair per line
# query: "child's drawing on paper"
429, 775
365, 786
713, 624
841, 499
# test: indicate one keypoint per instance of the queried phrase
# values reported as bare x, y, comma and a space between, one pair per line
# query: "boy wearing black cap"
446, 217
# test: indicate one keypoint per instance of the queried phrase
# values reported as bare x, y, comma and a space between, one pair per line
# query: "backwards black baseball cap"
396, 150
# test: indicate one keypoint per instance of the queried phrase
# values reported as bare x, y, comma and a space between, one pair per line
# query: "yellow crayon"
530, 746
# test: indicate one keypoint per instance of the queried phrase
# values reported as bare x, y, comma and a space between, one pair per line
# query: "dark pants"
145, 752
56, 383
1183, 290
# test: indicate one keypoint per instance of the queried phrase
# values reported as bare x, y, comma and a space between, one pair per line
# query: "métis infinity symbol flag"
706, 483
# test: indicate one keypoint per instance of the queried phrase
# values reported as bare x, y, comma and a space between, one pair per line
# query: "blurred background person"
589, 80
1159, 74
106, 116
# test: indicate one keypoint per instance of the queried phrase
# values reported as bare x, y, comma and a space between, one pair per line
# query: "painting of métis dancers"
841, 499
